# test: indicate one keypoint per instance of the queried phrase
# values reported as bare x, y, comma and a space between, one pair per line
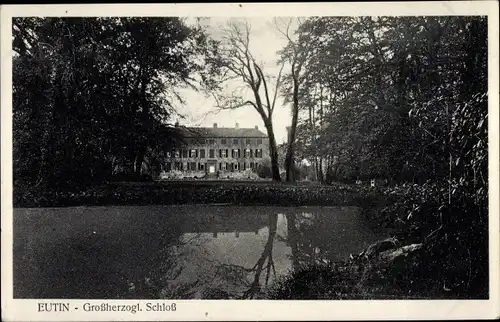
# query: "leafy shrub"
264, 171
131, 177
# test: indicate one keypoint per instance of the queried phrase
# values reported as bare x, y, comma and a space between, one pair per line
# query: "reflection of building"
235, 233
222, 224
219, 149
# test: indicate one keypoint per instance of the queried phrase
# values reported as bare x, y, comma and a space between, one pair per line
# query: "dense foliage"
393, 97
91, 95
404, 99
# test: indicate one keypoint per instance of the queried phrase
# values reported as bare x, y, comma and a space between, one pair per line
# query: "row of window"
200, 166
221, 153
224, 141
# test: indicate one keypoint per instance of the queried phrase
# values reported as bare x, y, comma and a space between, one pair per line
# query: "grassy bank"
438, 250
201, 192
449, 260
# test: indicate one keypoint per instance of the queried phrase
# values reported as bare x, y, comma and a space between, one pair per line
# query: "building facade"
218, 150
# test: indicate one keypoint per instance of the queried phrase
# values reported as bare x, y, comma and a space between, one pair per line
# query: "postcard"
244, 161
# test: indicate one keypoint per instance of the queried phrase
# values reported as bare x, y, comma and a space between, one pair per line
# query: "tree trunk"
273, 150
147, 124
289, 161
320, 172
316, 168
139, 160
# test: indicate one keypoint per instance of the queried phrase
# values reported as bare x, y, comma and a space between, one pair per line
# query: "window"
236, 153
251, 165
193, 153
211, 141
211, 153
169, 154
223, 153
258, 153
236, 166
222, 166
184, 153
223, 141
168, 166
259, 141
201, 166
193, 166
177, 154
202, 153
249, 141
235, 141
244, 166
248, 153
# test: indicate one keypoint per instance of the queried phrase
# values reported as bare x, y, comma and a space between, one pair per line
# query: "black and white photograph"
252, 157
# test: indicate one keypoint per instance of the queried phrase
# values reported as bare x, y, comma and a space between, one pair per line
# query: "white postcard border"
204, 310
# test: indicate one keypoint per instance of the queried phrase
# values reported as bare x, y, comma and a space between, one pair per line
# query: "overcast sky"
265, 42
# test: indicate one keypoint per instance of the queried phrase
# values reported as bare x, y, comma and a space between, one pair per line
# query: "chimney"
177, 124
256, 127
215, 125
237, 125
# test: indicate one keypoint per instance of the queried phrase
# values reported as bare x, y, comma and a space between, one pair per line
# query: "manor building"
219, 149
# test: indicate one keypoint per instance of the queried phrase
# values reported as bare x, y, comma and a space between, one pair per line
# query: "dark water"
175, 251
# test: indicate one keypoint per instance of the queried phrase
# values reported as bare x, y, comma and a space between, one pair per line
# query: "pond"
178, 252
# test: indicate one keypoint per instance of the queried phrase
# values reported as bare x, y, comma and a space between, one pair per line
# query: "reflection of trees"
267, 255
311, 238
230, 279
292, 238
317, 239
150, 277
302, 238
302, 235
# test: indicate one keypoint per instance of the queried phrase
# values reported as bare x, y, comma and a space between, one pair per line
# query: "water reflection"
237, 255
180, 252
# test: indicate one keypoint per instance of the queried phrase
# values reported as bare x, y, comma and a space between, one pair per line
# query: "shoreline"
204, 193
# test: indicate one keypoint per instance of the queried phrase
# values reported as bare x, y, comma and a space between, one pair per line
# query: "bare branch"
278, 83
266, 91
231, 102
239, 41
260, 76
286, 32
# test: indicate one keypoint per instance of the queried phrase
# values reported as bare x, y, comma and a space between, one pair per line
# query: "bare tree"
238, 63
292, 55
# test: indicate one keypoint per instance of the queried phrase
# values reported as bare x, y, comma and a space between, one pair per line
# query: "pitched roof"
223, 132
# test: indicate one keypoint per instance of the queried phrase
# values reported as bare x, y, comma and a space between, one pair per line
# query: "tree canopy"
92, 93
388, 96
